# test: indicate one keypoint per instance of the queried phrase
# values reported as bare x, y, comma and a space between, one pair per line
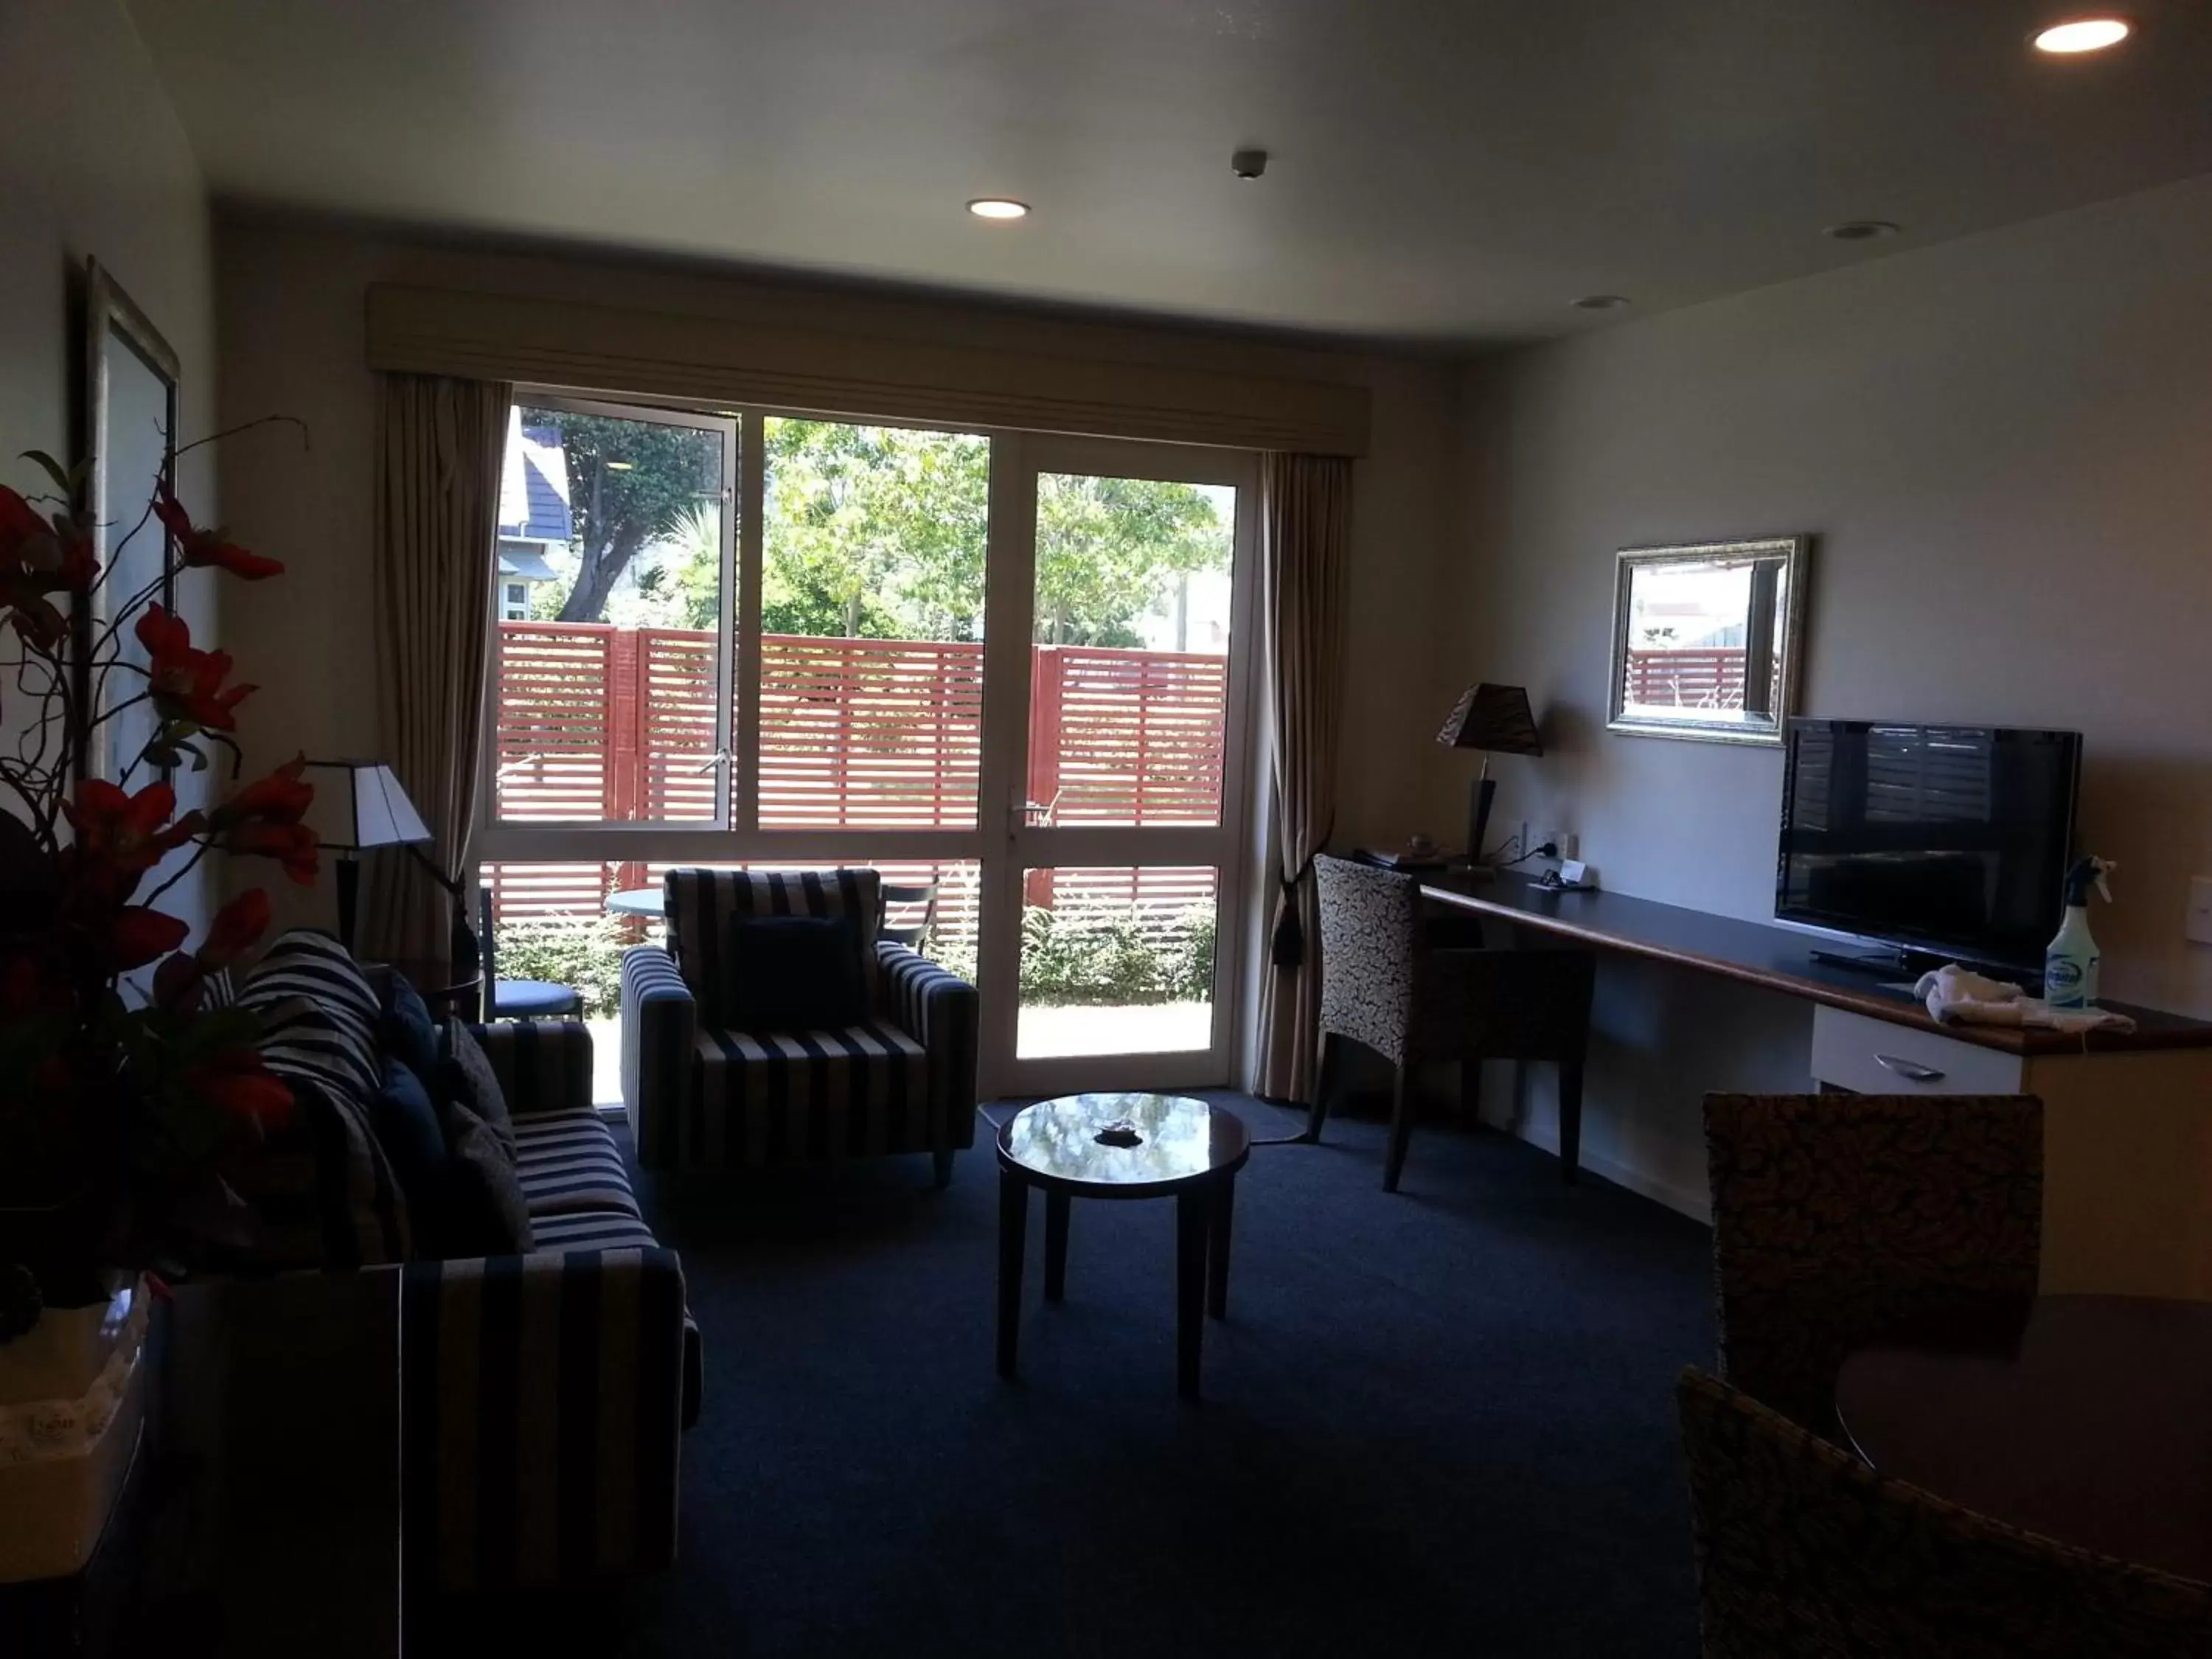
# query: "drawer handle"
1911, 1070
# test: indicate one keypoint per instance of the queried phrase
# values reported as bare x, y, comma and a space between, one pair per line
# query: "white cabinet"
2127, 1143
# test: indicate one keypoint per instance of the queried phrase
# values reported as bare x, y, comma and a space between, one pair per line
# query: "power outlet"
1564, 843
2198, 928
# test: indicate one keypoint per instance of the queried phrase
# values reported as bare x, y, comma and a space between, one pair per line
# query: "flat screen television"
1947, 840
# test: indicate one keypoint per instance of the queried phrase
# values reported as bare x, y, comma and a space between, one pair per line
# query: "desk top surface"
1776, 959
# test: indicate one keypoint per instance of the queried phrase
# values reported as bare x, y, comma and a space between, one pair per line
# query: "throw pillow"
405, 1029
466, 1075
407, 1127
795, 974
338, 1043
482, 1210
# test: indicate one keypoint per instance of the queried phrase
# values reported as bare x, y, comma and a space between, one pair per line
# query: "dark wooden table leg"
1216, 1247
1055, 1245
1013, 1234
1193, 1208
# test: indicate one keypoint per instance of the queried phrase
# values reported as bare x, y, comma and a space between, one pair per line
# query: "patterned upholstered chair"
1805, 1553
1839, 1220
1383, 986
702, 1096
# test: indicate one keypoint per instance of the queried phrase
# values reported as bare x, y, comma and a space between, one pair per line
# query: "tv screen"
1950, 839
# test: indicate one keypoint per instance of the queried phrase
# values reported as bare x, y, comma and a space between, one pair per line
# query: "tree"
1109, 550
629, 483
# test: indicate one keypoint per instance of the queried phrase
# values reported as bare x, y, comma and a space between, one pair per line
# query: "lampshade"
359, 805
1494, 717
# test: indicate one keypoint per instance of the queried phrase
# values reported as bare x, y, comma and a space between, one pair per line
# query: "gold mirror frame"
1792, 556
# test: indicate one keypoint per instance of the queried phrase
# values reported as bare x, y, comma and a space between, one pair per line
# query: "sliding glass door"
996, 666
1124, 753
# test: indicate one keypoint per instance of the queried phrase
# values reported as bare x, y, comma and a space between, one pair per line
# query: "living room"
1395, 364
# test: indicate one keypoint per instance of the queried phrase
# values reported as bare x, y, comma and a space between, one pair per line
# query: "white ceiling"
1443, 170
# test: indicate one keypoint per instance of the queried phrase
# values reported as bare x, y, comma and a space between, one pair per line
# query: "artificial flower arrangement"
125, 1094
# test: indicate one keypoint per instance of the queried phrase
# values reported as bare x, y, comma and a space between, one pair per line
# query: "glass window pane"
1129, 689
872, 625
610, 560
1116, 962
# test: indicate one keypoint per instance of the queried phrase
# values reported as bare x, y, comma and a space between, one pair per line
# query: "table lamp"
1496, 719
359, 805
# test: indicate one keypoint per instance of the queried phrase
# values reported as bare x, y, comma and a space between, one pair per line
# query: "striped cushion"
318, 1014
321, 1188
701, 904
569, 1162
592, 1230
811, 1097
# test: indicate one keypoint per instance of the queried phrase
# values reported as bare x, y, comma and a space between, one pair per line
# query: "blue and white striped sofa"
544, 1396
701, 1097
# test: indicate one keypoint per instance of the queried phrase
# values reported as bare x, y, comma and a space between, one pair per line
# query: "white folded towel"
1959, 995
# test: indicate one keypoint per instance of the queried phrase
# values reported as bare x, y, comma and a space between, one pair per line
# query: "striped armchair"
544, 1396
703, 1096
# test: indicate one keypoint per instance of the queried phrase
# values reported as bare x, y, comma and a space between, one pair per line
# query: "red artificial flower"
187, 684
292, 845
140, 933
234, 1077
123, 832
280, 797
234, 929
199, 547
39, 556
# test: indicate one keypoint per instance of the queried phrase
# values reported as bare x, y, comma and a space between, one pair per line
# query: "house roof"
525, 564
534, 487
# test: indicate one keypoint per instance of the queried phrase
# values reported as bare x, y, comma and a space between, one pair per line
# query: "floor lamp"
359, 806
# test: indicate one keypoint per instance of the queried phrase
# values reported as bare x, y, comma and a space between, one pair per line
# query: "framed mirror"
130, 440
1707, 639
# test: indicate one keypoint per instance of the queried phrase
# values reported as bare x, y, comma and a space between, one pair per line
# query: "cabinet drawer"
1873, 1057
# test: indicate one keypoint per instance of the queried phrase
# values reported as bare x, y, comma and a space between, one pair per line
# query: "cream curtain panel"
440, 443
1305, 516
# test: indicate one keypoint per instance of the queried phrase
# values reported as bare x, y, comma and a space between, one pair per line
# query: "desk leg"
1194, 1209
1055, 1245
1571, 1118
1013, 1231
1216, 1247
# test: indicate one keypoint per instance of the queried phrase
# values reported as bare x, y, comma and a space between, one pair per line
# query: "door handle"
1911, 1070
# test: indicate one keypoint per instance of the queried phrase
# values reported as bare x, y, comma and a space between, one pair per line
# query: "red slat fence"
599, 723
1701, 676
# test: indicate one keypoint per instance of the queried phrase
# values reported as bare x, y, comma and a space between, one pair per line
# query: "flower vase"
72, 1401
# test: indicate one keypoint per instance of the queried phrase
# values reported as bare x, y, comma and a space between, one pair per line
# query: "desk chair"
518, 999
1385, 985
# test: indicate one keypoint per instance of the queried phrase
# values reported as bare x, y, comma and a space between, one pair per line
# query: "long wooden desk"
1772, 958
2127, 1115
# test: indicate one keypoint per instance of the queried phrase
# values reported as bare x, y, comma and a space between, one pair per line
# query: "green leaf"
66, 479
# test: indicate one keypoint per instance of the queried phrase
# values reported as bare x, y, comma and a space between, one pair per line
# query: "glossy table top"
1176, 1140
1767, 954
2096, 1431
638, 902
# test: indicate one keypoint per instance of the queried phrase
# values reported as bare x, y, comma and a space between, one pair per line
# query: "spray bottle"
2069, 965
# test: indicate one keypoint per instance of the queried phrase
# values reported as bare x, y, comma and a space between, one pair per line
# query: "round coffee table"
1127, 1145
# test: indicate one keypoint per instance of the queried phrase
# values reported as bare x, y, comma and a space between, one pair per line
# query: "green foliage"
1110, 549
880, 532
1115, 960
583, 952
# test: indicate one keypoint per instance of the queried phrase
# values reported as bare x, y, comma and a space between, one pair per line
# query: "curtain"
1305, 512
440, 446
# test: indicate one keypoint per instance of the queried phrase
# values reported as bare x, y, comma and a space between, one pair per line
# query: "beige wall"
290, 304
2004, 446
94, 163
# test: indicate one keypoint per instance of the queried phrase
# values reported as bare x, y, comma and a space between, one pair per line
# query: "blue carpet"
1439, 1423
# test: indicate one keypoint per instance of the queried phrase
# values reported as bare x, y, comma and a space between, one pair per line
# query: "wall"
2003, 445
92, 162
290, 302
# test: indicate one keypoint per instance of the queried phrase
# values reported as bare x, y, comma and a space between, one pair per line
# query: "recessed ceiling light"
997, 207
1861, 230
1601, 301
2083, 34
